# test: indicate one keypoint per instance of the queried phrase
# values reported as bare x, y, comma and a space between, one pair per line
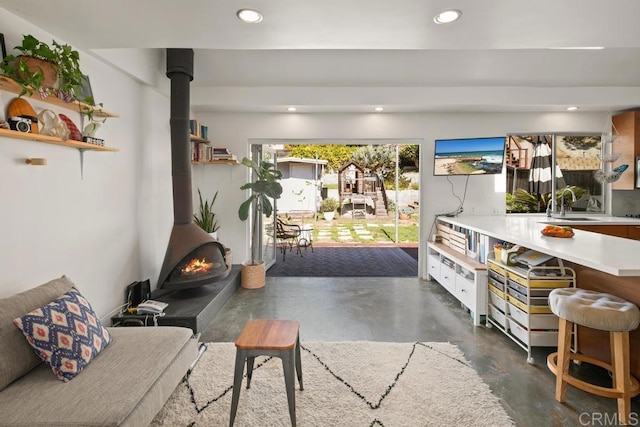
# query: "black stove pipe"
180, 72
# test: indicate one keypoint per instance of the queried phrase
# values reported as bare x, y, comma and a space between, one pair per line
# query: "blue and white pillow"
66, 334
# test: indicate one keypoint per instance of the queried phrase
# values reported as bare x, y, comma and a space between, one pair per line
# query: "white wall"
485, 194
103, 231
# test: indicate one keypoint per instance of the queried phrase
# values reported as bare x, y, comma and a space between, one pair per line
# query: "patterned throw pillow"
66, 334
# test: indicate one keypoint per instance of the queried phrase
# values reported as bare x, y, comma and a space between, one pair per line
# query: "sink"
573, 218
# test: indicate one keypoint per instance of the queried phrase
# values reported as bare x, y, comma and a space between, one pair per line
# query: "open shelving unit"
519, 302
54, 140
9, 85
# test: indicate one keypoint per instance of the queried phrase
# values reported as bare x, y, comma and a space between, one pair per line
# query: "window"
541, 167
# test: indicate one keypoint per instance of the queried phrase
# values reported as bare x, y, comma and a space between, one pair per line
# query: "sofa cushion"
66, 333
16, 355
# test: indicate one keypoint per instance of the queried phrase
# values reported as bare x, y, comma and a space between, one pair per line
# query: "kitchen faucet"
573, 199
549, 208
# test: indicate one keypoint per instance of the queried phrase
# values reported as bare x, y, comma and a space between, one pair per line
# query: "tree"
410, 154
376, 158
335, 155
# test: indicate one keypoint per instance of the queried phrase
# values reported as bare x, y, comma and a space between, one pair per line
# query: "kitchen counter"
613, 255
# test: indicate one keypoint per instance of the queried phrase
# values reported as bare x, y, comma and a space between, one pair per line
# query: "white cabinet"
463, 277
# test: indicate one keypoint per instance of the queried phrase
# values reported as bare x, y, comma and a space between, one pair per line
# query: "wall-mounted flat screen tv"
469, 156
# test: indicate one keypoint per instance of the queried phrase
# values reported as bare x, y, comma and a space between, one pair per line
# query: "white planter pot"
328, 216
214, 235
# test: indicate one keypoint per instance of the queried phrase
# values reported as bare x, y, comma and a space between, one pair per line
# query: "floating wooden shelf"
53, 140
11, 86
200, 140
218, 162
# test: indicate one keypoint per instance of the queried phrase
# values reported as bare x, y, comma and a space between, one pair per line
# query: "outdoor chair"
287, 235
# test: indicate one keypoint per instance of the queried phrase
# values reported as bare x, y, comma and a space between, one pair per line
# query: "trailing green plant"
65, 59
206, 218
329, 205
264, 186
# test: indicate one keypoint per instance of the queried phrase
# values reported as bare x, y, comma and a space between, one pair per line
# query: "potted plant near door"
328, 207
265, 186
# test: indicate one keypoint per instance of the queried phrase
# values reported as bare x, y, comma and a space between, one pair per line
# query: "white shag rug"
345, 384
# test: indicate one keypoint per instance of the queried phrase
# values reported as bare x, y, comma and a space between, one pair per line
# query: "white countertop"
613, 255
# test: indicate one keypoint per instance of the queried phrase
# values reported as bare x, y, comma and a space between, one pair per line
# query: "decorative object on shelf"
206, 218
264, 187
608, 157
52, 125
36, 162
74, 132
22, 117
49, 70
3, 48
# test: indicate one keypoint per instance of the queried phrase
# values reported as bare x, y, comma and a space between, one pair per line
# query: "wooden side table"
277, 338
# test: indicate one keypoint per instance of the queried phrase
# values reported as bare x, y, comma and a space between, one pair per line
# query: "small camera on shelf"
21, 123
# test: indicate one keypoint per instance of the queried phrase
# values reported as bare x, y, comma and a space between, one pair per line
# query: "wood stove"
193, 257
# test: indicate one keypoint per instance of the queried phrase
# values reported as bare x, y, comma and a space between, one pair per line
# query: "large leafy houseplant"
206, 218
264, 186
64, 59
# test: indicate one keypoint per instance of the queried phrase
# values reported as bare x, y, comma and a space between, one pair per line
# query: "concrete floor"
408, 310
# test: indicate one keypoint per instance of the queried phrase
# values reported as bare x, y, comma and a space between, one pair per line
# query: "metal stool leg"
299, 363
250, 360
237, 383
288, 365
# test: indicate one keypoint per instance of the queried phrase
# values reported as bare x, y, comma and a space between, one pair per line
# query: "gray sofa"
126, 384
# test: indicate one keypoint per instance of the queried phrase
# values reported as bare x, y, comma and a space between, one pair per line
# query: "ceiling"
352, 55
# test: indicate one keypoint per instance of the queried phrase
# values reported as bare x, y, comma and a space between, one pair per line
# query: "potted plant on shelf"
265, 186
46, 69
206, 218
328, 207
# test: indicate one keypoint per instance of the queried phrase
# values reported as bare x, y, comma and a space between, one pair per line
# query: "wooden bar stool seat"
601, 311
277, 338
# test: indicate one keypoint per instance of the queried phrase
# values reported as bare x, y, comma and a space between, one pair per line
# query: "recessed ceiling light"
378, 109
572, 108
447, 16
291, 109
249, 16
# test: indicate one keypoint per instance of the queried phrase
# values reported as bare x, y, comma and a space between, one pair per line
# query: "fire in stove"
196, 266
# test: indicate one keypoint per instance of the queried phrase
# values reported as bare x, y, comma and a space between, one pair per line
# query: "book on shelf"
196, 129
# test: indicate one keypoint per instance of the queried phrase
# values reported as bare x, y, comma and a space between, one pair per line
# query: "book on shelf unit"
202, 153
198, 130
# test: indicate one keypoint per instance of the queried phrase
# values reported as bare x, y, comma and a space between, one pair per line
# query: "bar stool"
277, 338
601, 311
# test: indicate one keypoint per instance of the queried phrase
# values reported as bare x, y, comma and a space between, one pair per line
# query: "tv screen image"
469, 156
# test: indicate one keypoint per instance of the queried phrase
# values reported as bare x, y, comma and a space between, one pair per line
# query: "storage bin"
538, 283
496, 283
498, 316
497, 267
532, 300
539, 292
523, 306
497, 300
533, 321
537, 338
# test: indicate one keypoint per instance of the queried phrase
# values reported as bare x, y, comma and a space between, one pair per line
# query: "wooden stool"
277, 338
597, 311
